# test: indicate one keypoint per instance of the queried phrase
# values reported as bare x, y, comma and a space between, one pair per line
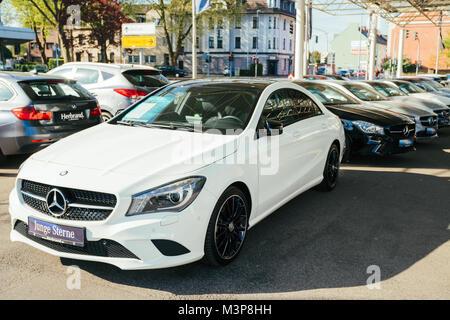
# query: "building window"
284, 5
255, 22
268, 45
111, 57
197, 43
49, 46
274, 22
78, 56
284, 24
274, 43
211, 42
274, 3
164, 42
89, 57
270, 22
290, 44
255, 42
219, 42
291, 7
237, 42
80, 39
153, 59
284, 44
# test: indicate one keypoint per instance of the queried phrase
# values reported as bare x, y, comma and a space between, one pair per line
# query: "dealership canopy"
398, 12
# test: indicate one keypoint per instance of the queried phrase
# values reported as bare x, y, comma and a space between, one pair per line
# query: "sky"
335, 25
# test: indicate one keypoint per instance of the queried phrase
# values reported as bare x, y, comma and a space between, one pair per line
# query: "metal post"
401, 39
141, 56
373, 42
438, 47
306, 41
257, 43
194, 43
418, 55
299, 38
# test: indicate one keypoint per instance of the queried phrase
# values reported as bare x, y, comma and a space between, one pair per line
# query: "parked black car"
37, 110
367, 130
171, 71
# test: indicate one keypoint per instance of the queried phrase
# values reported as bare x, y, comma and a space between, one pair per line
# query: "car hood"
432, 97
138, 151
376, 116
401, 107
424, 101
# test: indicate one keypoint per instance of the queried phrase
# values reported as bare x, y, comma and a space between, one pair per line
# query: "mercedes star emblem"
56, 202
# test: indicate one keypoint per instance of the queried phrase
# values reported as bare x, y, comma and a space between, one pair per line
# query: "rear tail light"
97, 111
131, 93
30, 113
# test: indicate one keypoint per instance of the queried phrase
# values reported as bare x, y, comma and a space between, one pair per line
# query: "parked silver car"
116, 86
426, 121
37, 110
420, 99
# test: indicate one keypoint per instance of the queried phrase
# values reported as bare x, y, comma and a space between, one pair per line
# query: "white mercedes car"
179, 176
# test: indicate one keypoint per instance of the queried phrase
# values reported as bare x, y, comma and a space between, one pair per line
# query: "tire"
106, 116
331, 170
224, 236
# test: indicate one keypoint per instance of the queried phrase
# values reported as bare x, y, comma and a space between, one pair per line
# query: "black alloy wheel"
331, 170
227, 228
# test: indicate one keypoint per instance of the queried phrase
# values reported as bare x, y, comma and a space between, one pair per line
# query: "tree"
55, 13
176, 20
104, 18
30, 17
316, 55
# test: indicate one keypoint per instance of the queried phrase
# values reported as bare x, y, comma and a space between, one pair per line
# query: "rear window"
145, 78
54, 89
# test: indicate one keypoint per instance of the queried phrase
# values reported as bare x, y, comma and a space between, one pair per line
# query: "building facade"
421, 37
262, 31
351, 48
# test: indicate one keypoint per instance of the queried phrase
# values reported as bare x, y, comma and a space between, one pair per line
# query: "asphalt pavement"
388, 217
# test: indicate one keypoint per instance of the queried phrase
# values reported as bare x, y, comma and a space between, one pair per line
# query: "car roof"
25, 76
232, 82
118, 67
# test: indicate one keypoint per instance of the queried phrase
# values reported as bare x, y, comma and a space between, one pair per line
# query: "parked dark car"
367, 130
171, 71
37, 110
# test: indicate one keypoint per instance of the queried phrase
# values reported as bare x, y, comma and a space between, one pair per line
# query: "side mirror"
273, 127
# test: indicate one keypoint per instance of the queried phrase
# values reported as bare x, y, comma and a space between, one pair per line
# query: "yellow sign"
139, 42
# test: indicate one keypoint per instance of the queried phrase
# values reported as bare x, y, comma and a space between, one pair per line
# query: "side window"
279, 107
86, 76
107, 75
66, 72
303, 106
5, 93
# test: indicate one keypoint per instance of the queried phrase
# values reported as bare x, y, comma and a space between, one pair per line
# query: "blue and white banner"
202, 5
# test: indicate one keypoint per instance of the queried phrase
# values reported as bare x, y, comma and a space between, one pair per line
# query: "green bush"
52, 63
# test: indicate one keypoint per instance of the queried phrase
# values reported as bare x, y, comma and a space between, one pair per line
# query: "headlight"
368, 127
174, 196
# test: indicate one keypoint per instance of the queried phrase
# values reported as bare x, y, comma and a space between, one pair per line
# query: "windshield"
54, 89
408, 87
211, 106
364, 93
145, 78
328, 95
386, 90
424, 85
432, 83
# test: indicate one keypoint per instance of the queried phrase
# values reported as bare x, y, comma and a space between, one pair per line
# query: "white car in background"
180, 176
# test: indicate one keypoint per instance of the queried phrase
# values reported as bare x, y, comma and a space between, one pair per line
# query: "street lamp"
416, 37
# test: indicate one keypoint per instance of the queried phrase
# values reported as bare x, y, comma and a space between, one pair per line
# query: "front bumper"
136, 234
384, 145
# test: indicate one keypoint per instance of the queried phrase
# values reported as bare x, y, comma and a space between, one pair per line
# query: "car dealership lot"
386, 212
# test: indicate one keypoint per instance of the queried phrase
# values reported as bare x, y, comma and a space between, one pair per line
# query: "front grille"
398, 131
100, 248
428, 121
83, 205
443, 117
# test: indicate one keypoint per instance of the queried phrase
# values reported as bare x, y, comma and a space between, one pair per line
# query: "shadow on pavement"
320, 240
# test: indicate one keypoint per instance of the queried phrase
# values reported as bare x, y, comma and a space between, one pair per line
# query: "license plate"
72, 116
406, 142
55, 232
